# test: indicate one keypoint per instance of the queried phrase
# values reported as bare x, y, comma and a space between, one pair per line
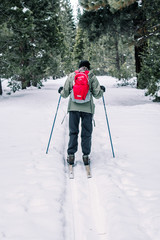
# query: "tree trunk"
138, 62
139, 51
139, 23
23, 83
1, 87
117, 58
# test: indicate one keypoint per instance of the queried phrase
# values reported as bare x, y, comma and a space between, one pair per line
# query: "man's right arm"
96, 89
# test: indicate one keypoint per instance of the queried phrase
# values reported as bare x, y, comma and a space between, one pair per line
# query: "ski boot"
70, 159
86, 160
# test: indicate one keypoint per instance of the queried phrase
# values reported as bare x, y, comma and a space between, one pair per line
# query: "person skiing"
81, 109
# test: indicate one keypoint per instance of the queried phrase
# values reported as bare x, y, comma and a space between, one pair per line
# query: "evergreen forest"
41, 39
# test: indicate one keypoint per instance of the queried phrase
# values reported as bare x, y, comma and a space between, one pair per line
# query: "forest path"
39, 201
86, 213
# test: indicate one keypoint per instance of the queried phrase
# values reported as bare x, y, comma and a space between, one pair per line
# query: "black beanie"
84, 63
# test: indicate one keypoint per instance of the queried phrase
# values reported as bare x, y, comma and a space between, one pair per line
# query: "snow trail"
97, 210
87, 214
39, 201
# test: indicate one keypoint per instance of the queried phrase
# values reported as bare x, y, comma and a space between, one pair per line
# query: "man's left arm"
66, 90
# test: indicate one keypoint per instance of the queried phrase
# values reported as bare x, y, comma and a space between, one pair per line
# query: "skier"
82, 108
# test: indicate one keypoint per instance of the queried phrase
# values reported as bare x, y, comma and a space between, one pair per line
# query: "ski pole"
108, 127
53, 125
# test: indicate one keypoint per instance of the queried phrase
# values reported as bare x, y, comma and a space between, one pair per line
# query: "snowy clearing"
37, 199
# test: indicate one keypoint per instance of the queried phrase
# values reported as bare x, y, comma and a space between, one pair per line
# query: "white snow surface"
37, 199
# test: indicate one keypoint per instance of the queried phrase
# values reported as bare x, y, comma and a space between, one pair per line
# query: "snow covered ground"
38, 201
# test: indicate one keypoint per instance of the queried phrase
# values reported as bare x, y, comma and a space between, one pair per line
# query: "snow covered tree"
140, 20
92, 4
69, 32
34, 36
41, 40
63, 61
149, 76
79, 45
114, 4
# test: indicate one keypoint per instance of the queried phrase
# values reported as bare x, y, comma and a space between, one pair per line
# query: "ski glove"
60, 89
103, 88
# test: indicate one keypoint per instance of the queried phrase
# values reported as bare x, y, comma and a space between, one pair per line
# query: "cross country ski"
71, 171
88, 171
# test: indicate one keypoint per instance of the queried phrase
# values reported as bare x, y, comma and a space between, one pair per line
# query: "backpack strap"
86, 72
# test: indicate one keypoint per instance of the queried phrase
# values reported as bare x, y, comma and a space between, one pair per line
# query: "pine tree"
149, 76
34, 37
63, 63
114, 4
79, 45
131, 12
110, 39
69, 32
92, 4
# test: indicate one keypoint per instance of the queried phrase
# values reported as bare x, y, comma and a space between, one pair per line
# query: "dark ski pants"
86, 132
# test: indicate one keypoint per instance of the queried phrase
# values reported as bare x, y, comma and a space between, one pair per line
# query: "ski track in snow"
86, 216
38, 200
86, 212
89, 213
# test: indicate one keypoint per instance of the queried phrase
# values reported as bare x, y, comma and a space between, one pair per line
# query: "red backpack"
80, 86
